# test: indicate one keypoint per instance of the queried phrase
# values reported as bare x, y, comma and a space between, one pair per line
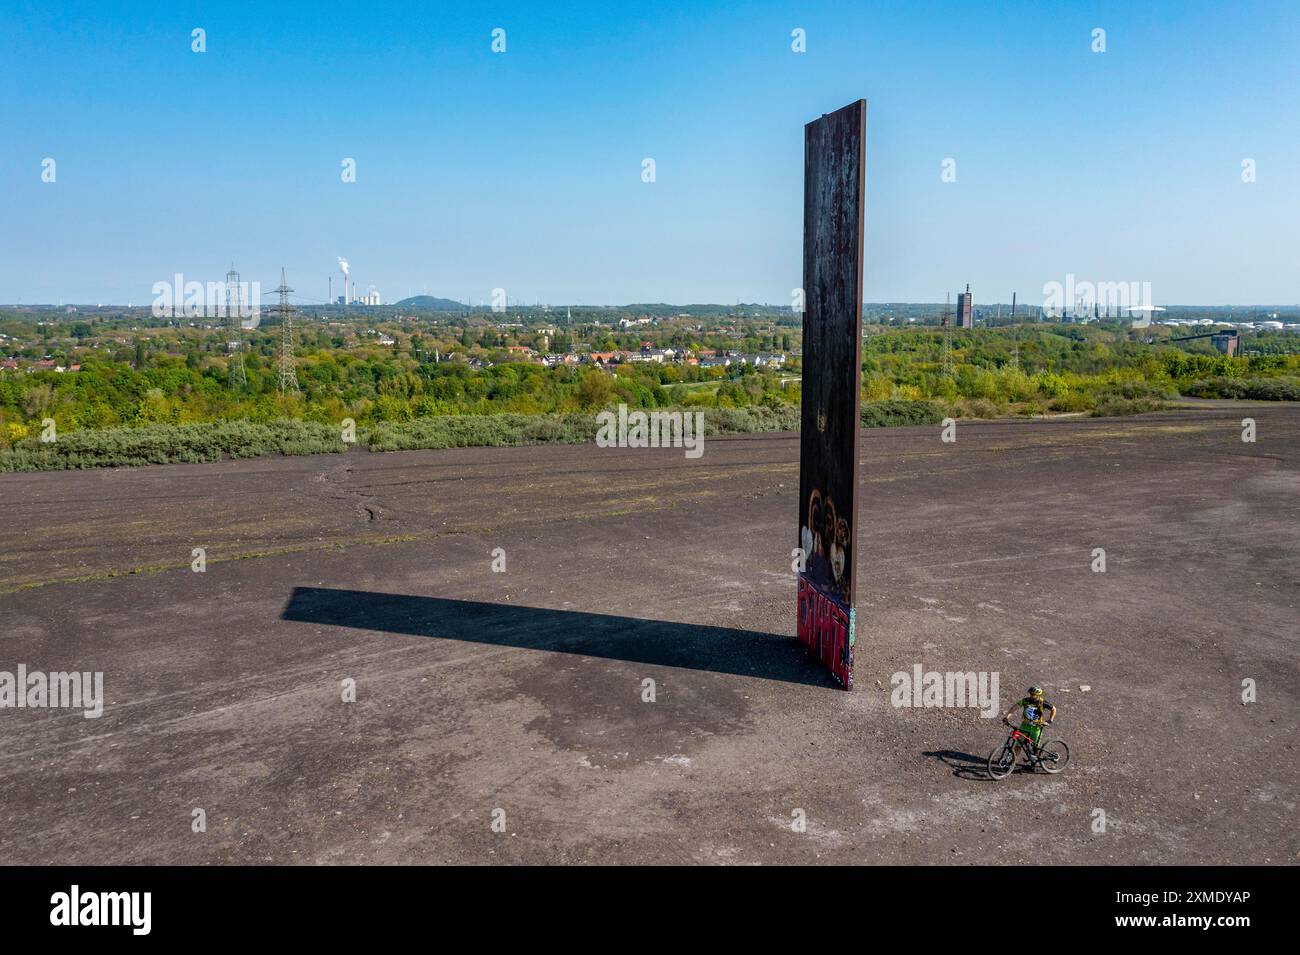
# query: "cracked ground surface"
523, 690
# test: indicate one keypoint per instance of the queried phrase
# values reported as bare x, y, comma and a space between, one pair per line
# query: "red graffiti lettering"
823, 628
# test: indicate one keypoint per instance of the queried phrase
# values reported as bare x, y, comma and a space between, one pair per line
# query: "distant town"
126, 385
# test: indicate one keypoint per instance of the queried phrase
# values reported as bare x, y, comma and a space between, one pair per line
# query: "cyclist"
1034, 706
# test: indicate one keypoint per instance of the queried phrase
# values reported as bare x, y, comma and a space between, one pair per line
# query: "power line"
288, 376
238, 377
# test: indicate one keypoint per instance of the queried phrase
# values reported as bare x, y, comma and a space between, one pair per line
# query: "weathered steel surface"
834, 191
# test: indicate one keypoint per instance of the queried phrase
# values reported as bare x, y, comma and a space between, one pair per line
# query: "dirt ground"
519, 696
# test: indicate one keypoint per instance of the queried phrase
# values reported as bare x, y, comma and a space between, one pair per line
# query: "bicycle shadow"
965, 765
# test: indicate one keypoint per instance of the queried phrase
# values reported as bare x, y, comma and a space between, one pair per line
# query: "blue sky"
522, 170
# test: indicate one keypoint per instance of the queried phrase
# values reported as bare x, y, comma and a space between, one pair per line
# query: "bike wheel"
1054, 756
1002, 761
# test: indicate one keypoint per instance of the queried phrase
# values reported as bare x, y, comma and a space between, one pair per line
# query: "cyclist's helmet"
1035, 690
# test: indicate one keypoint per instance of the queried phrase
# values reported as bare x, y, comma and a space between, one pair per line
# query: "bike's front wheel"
1002, 761
1054, 756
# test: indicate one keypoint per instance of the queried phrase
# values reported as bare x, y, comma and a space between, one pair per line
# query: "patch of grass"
1117, 407
751, 419
1256, 389
899, 413
510, 430
1072, 402
476, 431
981, 408
171, 444
1133, 389
193, 443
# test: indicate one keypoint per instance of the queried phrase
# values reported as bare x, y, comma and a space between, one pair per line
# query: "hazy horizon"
616, 306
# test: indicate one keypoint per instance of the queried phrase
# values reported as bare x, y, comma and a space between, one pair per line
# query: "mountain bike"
1051, 756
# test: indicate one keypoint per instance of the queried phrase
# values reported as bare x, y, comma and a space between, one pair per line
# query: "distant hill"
432, 303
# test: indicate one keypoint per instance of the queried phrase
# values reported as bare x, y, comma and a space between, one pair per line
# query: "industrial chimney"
343, 265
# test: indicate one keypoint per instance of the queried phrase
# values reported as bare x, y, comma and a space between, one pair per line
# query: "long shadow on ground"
963, 765
656, 642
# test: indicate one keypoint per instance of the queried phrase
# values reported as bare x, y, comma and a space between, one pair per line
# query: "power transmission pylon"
238, 377
288, 377
947, 337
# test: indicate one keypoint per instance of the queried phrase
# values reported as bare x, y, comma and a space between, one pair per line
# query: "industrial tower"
238, 377
288, 377
965, 312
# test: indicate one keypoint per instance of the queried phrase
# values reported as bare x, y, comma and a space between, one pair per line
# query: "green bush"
1072, 402
464, 431
1132, 389
171, 444
751, 419
1117, 407
469, 431
897, 413
981, 408
1257, 389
